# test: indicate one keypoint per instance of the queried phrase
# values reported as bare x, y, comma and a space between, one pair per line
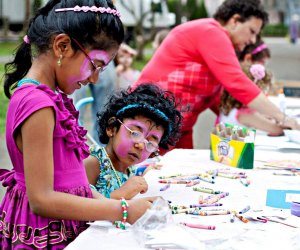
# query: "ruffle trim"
67, 120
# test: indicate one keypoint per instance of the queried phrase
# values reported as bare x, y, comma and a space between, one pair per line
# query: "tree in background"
187, 10
140, 36
36, 5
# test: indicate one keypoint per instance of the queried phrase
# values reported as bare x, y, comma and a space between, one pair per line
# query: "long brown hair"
228, 102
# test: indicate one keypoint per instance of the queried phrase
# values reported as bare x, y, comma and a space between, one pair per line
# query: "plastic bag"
157, 229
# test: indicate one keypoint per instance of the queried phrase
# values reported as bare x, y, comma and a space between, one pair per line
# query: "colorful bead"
121, 224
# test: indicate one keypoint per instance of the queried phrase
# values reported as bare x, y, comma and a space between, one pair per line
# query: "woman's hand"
290, 123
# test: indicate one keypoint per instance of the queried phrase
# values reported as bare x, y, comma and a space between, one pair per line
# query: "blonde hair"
228, 102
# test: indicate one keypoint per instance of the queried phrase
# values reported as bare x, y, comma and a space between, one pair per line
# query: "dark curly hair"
245, 8
149, 101
228, 102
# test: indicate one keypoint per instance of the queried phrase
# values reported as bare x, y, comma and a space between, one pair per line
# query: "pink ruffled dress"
20, 228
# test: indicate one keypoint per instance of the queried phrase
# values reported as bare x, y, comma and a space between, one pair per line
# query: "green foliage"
196, 9
3, 102
277, 30
139, 64
192, 10
8, 48
172, 5
36, 5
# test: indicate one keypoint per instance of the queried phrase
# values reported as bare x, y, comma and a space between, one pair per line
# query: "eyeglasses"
138, 137
97, 69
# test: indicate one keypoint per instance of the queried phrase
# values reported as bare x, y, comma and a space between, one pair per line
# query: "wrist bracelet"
121, 224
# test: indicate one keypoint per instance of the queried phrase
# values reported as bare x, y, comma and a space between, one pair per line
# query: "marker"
164, 188
244, 210
199, 226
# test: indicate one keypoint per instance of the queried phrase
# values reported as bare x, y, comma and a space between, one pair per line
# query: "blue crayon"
244, 210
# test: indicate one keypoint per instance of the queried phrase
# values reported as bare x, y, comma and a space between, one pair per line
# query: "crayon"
206, 179
284, 174
244, 210
199, 226
212, 200
241, 218
263, 220
192, 183
232, 218
188, 178
230, 176
206, 190
170, 176
207, 205
174, 181
244, 182
208, 213
164, 188
182, 211
175, 207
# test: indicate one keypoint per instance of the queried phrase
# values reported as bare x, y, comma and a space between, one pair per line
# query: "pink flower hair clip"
92, 9
26, 39
258, 72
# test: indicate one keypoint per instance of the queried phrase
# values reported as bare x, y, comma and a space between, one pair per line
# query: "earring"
59, 60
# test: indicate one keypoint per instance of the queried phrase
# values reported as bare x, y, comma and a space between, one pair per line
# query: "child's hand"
138, 207
153, 166
134, 185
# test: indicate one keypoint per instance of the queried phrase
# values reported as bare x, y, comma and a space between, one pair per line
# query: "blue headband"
145, 106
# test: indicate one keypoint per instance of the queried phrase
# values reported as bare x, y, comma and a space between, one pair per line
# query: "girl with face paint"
134, 126
48, 195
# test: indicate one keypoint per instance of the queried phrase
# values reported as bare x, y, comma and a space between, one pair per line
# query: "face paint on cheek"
124, 145
85, 72
145, 155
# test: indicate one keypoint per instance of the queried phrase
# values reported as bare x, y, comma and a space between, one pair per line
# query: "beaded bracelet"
121, 224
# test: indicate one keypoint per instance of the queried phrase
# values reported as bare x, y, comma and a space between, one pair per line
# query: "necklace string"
110, 164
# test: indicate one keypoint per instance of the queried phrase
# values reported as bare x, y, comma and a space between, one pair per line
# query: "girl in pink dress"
48, 199
234, 112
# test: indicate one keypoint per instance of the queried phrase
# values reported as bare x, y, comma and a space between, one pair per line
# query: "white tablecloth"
237, 235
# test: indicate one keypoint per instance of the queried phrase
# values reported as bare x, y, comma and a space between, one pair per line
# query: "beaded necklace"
109, 164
